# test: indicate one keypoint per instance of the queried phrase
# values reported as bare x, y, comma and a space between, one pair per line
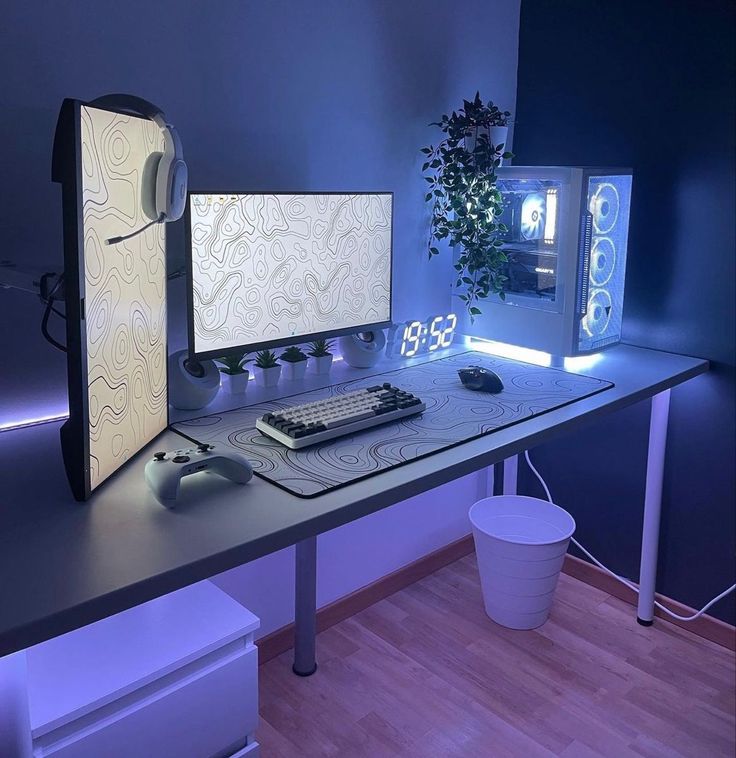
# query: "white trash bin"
520, 543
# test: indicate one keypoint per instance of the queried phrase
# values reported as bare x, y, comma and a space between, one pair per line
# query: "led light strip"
8, 426
538, 357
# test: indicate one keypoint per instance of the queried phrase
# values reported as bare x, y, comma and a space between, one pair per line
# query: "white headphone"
166, 195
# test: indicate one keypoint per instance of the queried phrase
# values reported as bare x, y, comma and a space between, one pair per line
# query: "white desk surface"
65, 564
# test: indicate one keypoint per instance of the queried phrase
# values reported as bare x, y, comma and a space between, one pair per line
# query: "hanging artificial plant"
465, 202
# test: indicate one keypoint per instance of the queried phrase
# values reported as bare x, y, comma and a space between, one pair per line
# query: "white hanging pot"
267, 377
497, 135
294, 369
236, 384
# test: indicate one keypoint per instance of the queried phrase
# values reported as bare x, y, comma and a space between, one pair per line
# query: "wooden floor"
426, 673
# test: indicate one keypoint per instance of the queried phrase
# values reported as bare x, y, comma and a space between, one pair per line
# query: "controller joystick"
165, 471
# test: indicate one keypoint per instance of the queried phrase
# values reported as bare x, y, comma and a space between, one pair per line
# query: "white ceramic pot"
321, 364
294, 369
236, 384
497, 135
268, 377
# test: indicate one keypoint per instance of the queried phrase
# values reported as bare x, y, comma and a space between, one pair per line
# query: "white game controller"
165, 471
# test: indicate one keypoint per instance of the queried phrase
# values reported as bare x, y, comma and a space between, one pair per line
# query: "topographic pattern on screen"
125, 291
268, 267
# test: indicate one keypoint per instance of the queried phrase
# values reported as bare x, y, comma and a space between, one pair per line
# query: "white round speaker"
192, 384
364, 349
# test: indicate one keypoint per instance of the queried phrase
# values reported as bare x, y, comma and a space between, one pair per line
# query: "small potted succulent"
267, 368
234, 374
295, 363
320, 356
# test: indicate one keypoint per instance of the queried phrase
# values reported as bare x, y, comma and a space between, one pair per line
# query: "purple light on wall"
34, 417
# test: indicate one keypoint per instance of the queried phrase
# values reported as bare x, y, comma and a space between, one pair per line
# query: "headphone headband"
168, 188
132, 104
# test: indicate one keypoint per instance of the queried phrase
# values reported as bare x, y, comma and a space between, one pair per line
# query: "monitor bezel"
284, 341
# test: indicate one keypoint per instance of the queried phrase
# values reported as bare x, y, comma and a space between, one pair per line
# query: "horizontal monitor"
267, 270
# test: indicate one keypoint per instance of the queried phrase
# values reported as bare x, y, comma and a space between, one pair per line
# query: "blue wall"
276, 94
650, 85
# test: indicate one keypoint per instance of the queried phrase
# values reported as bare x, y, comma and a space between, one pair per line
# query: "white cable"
621, 579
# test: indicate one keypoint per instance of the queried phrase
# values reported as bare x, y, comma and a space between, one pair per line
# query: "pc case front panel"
600, 292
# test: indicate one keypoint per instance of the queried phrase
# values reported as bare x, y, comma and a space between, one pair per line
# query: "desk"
64, 564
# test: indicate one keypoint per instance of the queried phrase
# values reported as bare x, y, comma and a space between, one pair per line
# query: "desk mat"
454, 415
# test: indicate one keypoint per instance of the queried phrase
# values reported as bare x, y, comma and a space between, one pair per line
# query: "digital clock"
411, 338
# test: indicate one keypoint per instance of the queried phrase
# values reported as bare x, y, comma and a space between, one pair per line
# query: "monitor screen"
115, 294
267, 270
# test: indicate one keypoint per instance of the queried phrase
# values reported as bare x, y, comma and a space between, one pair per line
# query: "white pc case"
566, 248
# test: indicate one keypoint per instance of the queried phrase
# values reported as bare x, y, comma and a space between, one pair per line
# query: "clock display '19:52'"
411, 338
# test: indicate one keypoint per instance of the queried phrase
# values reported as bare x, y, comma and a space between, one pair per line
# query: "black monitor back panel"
115, 294
454, 415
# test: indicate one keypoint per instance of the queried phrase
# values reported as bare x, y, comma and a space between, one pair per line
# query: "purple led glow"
32, 420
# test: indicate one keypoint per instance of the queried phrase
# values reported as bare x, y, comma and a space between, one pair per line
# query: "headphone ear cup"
149, 185
177, 190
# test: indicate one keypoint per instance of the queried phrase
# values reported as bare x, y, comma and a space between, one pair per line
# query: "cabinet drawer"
209, 705
252, 751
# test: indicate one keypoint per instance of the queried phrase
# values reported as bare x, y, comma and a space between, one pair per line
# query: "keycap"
349, 419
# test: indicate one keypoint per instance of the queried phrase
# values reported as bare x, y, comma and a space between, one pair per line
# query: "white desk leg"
652, 506
305, 607
15, 721
510, 475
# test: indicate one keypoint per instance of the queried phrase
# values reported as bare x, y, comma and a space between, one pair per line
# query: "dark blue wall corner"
281, 94
651, 85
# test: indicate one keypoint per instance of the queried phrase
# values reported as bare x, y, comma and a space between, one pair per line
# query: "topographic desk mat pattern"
454, 415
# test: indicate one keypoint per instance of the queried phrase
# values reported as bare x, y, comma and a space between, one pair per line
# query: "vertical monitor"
272, 269
115, 293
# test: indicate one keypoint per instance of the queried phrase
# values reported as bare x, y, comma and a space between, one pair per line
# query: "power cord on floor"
621, 579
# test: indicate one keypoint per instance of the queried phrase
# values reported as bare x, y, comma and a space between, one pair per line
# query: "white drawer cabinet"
174, 677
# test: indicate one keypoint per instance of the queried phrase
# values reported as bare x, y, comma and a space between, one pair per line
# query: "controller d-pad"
181, 459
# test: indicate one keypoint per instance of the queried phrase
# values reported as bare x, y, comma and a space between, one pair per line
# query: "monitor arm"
35, 280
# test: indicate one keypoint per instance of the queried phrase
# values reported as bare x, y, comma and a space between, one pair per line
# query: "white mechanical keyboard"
308, 424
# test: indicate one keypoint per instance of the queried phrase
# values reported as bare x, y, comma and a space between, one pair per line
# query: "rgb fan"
604, 207
602, 260
532, 216
598, 313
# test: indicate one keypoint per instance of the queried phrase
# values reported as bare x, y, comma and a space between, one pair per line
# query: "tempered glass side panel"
531, 217
125, 291
608, 201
